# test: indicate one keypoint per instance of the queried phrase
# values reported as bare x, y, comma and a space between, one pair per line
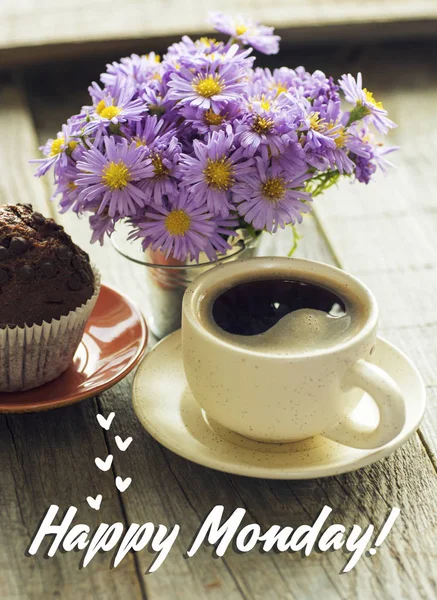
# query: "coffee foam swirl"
303, 330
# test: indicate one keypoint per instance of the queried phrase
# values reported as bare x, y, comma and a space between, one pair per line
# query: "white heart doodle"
123, 445
104, 465
95, 502
106, 423
121, 484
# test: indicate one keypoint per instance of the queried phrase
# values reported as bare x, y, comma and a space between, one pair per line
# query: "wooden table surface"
384, 233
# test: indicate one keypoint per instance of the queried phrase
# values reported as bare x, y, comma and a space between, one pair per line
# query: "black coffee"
254, 307
280, 315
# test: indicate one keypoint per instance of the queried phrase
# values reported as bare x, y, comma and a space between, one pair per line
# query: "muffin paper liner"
33, 355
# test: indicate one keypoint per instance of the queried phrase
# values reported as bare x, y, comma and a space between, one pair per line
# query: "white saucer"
166, 408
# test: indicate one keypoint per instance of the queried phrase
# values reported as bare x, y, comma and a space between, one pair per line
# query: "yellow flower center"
211, 118
265, 104
262, 124
177, 222
342, 137
240, 29
100, 106
109, 112
72, 145
219, 173
273, 189
139, 141
208, 42
56, 146
71, 186
116, 175
155, 109
280, 88
157, 57
315, 121
371, 100
207, 86
159, 169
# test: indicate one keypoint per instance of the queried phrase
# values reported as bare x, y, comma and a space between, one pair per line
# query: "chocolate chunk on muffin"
43, 274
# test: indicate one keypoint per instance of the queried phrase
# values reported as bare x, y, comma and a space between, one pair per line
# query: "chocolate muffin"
43, 274
48, 290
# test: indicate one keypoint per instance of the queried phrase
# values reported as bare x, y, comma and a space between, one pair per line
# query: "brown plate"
114, 340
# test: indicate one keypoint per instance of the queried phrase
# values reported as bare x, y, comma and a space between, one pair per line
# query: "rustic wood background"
35, 30
384, 233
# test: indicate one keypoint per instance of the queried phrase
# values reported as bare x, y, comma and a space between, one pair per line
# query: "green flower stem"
357, 113
296, 238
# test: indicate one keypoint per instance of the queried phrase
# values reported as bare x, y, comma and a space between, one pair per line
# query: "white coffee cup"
285, 397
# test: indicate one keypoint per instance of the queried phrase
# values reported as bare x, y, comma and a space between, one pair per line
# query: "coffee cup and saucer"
278, 372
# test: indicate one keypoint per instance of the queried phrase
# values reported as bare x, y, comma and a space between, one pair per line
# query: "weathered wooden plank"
17, 183
48, 458
66, 30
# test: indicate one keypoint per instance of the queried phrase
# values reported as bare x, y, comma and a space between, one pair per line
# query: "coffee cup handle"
391, 405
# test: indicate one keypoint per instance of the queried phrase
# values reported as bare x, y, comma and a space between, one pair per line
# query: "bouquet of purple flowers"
194, 147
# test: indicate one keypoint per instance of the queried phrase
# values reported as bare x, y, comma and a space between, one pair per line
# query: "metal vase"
168, 278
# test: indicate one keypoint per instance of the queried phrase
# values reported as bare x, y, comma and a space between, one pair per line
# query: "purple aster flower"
292, 159
131, 71
365, 103
318, 89
324, 93
185, 47
158, 104
177, 228
102, 225
379, 156
208, 46
367, 154
262, 126
326, 140
338, 157
112, 176
364, 168
274, 83
239, 57
152, 131
113, 108
359, 141
166, 171
190, 48
210, 174
247, 32
318, 136
270, 198
207, 84
58, 150
206, 121
67, 188
218, 242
